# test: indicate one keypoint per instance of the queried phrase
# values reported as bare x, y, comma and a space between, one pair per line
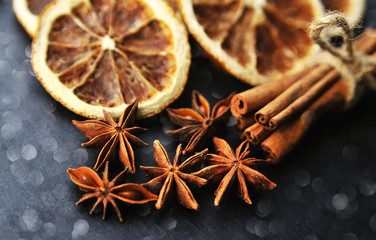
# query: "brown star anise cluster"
198, 127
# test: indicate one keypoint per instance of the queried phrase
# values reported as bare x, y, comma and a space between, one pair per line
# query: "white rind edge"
29, 21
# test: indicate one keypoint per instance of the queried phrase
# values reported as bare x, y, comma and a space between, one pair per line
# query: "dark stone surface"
326, 186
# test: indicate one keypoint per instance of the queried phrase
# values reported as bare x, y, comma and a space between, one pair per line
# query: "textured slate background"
326, 186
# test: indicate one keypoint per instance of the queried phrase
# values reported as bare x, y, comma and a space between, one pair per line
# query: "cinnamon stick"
264, 115
255, 98
256, 133
280, 142
305, 100
244, 121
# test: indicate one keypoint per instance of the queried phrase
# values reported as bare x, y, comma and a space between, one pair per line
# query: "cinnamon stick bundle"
282, 141
302, 102
255, 98
295, 91
245, 104
284, 114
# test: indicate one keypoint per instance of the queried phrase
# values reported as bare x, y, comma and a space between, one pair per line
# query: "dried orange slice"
95, 55
27, 13
255, 40
353, 9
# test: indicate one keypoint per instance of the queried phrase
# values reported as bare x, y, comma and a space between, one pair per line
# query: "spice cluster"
273, 116
198, 128
120, 60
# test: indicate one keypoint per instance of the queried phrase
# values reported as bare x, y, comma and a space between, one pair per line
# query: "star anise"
113, 137
229, 166
167, 175
198, 124
106, 191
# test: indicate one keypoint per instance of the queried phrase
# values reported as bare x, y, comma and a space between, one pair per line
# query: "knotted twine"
355, 67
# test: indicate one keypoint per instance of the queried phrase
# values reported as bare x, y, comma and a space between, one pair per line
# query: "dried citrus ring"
353, 9
27, 13
255, 40
103, 54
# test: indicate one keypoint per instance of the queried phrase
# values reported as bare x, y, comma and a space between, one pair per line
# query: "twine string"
359, 66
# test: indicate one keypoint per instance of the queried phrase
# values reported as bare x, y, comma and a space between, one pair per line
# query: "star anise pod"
228, 166
198, 124
106, 191
167, 175
113, 137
